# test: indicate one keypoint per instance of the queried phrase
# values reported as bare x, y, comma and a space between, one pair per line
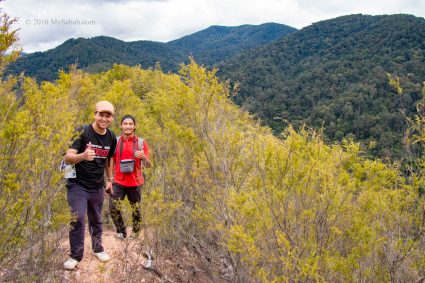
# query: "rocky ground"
129, 263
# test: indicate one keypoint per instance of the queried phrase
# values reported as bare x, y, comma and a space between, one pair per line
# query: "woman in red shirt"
131, 156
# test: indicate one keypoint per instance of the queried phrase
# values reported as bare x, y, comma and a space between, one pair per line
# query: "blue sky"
46, 24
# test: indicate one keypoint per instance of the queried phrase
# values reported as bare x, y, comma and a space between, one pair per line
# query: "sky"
46, 24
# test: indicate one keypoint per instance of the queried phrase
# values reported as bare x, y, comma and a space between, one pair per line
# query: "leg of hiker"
94, 213
115, 200
77, 200
134, 197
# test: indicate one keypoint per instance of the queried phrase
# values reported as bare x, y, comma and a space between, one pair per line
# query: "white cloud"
165, 20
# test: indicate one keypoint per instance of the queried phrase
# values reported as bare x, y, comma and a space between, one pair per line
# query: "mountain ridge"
99, 53
240, 38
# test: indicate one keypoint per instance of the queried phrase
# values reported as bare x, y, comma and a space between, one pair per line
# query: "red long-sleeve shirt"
134, 178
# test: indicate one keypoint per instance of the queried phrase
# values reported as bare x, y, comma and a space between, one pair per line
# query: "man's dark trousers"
134, 197
82, 200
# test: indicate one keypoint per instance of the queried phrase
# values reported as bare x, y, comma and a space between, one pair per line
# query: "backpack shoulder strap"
84, 134
140, 147
140, 143
118, 141
86, 128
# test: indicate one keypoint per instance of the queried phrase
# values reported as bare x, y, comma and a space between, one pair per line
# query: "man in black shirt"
92, 154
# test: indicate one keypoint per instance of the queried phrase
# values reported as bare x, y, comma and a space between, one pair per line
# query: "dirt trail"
127, 263
126, 260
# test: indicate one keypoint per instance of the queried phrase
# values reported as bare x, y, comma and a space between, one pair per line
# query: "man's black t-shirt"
90, 174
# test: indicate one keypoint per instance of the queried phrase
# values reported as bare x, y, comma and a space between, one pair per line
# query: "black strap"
121, 147
134, 146
84, 136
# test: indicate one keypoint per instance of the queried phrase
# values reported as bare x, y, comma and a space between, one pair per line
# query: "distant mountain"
95, 54
218, 43
334, 74
100, 53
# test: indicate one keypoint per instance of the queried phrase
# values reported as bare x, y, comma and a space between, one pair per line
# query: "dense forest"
334, 74
268, 209
98, 54
218, 43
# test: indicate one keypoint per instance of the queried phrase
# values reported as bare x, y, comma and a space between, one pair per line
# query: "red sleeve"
146, 149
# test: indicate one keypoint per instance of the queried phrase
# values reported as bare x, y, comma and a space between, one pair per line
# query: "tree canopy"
333, 74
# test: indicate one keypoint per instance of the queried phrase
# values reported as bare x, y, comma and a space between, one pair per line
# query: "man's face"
128, 127
103, 119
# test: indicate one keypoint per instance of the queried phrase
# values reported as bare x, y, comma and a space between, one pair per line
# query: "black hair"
128, 117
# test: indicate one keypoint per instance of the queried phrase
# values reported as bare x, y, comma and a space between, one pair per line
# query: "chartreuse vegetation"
287, 209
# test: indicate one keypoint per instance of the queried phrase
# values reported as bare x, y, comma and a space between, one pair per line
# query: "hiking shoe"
102, 256
121, 236
70, 264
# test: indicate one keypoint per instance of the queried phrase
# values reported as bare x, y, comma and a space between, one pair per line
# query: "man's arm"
147, 162
109, 170
73, 157
144, 155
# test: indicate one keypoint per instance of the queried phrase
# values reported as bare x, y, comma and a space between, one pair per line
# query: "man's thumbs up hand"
89, 153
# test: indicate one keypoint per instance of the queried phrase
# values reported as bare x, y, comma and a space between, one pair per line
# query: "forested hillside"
251, 206
218, 43
333, 74
98, 54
